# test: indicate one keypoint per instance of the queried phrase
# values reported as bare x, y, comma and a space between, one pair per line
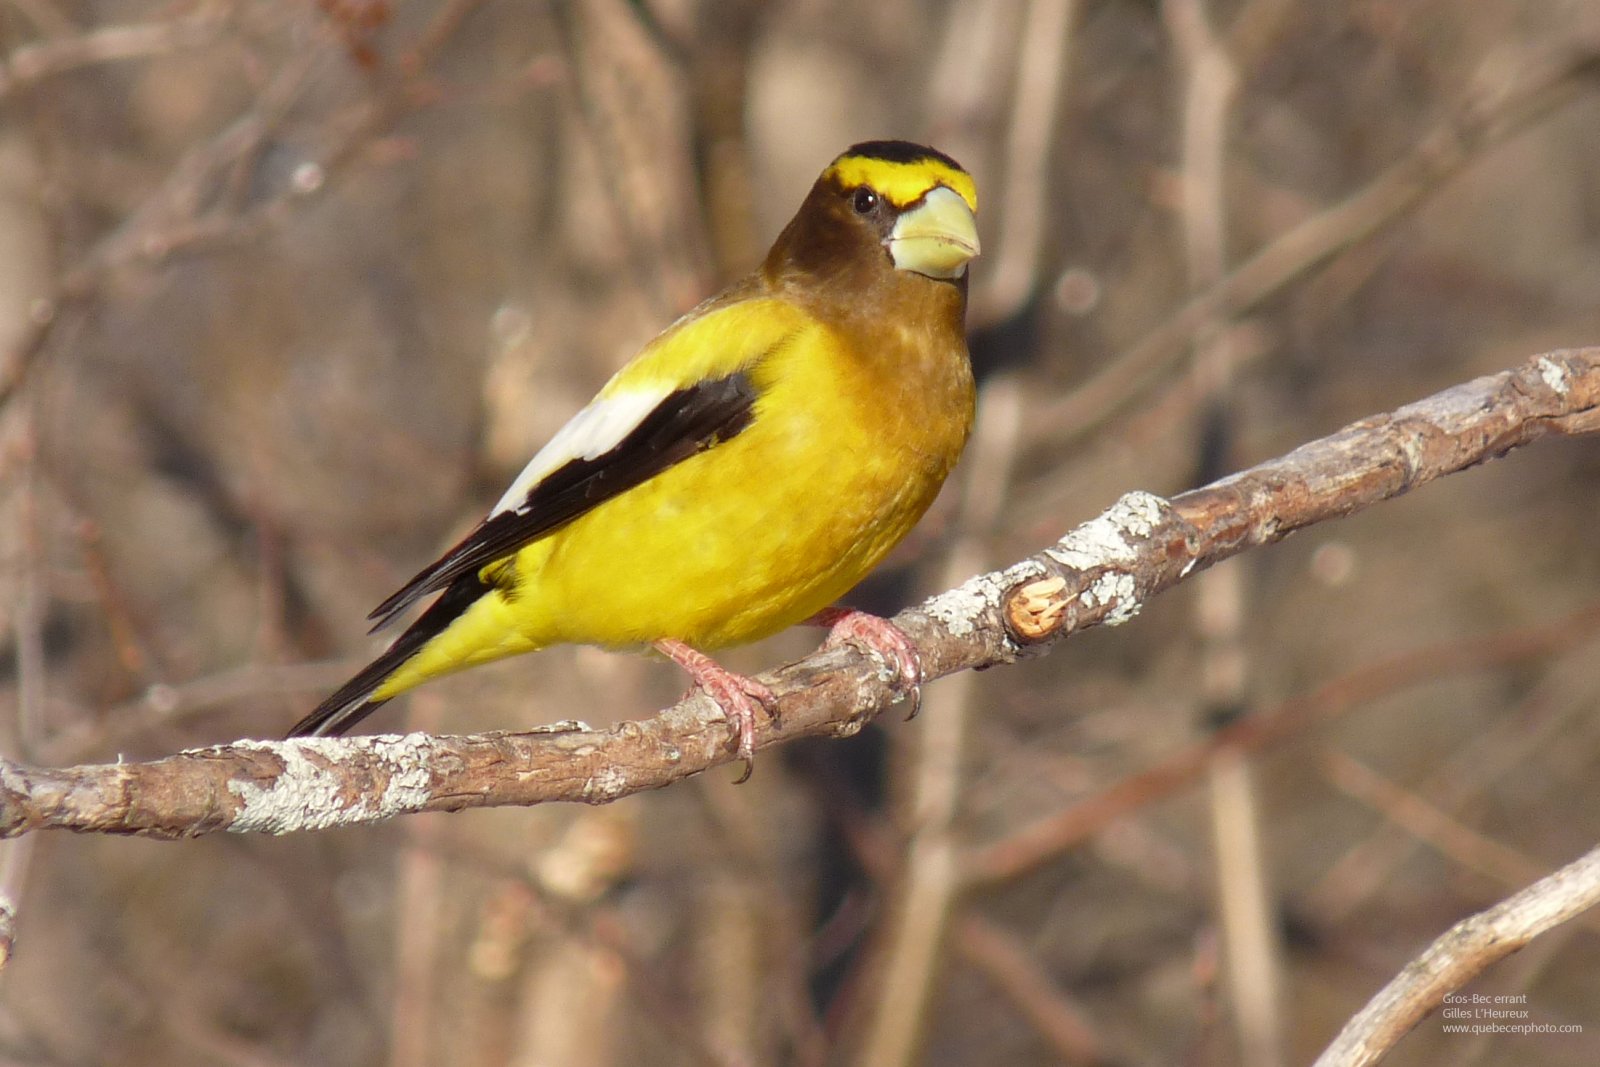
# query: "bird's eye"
864, 201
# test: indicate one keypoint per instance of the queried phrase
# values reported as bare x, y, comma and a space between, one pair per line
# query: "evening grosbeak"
745, 470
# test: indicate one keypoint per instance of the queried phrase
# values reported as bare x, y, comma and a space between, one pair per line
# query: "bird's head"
918, 203
883, 204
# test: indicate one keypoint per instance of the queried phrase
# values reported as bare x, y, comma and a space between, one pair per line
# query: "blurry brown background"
289, 290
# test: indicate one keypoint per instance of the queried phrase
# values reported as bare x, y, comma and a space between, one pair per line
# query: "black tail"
350, 703
353, 701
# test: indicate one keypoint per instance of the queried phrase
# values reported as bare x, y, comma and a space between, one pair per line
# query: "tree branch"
1459, 955
1100, 573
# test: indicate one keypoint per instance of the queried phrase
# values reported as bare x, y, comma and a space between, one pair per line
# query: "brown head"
887, 221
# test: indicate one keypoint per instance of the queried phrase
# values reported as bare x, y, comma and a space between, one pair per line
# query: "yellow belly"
760, 532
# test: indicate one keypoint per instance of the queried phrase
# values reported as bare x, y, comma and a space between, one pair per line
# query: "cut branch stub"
1097, 575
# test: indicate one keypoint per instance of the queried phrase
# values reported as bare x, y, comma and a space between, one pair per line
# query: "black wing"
687, 421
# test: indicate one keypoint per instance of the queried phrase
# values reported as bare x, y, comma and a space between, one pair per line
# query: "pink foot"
880, 636
741, 699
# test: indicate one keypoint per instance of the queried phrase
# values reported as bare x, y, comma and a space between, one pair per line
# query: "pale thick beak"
937, 237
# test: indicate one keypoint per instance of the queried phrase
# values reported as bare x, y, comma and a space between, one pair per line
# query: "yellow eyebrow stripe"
903, 183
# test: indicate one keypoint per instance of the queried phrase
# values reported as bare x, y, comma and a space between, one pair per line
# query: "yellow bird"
745, 470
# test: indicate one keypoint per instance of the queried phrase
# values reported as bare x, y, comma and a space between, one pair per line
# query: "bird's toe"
884, 639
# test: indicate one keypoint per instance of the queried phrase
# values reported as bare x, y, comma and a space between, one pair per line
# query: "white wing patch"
589, 434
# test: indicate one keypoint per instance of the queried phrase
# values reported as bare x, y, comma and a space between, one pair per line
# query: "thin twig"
1039, 842
1462, 953
33, 63
1010, 965
1484, 121
1466, 774
1452, 838
180, 217
988, 949
1250, 948
1045, 53
17, 733
925, 896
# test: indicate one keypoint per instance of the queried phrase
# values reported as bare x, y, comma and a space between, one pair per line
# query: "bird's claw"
886, 640
742, 700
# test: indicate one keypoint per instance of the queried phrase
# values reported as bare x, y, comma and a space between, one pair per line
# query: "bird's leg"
880, 636
741, 699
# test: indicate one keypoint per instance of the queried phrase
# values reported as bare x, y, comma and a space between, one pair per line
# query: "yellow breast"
848, 447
